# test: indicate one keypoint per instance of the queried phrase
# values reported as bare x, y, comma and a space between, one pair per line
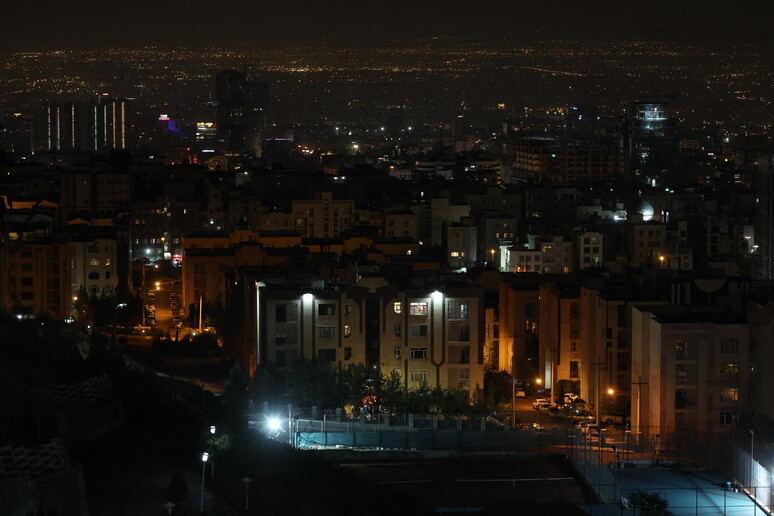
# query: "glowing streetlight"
538, 381
610, 391
205, 456
212, 429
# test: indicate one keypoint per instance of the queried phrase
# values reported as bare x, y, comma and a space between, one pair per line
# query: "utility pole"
639, 383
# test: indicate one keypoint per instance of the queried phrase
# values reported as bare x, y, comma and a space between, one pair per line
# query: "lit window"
729, 394
396, 306
418, 309
327, 332
347, 330
729, 369
94, 262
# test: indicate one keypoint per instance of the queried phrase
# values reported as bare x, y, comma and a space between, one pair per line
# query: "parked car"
554, 412
536, 404
520, 393
580, 416
545, 407
569, 397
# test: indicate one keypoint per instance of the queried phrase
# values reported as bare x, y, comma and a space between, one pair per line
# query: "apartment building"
428, 337
692, 368
36, 278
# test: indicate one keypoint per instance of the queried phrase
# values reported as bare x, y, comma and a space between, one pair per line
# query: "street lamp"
212, 429
247, 481
169, 506
205, 456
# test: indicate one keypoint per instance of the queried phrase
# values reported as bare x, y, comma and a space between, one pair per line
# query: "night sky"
113, 23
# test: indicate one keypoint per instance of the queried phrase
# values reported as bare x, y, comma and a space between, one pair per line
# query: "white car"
540, 401
521, 394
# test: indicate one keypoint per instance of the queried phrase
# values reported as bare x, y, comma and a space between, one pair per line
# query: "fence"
587, 458
753, 477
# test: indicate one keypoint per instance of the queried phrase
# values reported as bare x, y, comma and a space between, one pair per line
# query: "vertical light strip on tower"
123, 124
72, 124
113, 105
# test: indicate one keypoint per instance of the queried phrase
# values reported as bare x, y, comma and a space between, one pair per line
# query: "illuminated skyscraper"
653, 146
85, 126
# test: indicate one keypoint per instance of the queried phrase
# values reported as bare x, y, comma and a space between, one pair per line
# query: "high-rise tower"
242, 109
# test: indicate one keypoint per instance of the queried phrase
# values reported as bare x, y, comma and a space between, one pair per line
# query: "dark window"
94, 275
418, 330
623, 361
27, 296
574, 369
347, 353
465, 355
621, 316
326, 355
326, 309
26, 282
729, 345
419, 353
280, 313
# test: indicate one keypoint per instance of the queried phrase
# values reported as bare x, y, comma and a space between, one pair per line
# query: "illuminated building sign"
164, 117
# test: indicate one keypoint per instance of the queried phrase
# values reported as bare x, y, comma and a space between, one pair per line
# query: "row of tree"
313, 383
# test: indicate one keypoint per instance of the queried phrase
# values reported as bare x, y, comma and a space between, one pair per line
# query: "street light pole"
752, 458
205, 456
639, 383
513, 401
247, 481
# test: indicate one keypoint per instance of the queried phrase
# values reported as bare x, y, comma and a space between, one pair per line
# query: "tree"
392, 392
649, 504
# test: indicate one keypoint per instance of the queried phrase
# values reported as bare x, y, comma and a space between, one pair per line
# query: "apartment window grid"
418, 376
729, 345
727, 418
326, 309
327, 332
458, 310
418, 330
419, 353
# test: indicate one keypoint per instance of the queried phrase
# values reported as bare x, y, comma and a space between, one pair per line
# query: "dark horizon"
196, 24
